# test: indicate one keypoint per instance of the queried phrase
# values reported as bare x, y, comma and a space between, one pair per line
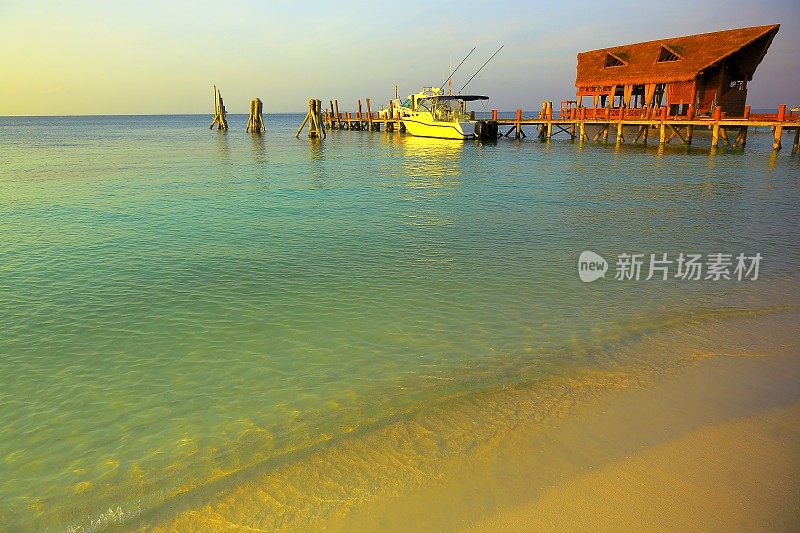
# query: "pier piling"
220, 118
314, 119
778, 129
255, 123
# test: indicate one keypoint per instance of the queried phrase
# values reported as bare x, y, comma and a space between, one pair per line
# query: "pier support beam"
741, 138
796, 144
778, 131
715, 127
776, 138
723, 133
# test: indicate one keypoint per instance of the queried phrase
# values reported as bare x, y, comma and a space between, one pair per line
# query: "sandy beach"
713, 444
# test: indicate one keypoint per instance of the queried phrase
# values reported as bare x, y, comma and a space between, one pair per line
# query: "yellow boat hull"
420, 127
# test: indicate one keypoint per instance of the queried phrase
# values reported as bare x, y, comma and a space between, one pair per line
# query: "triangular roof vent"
666, 54
613, 61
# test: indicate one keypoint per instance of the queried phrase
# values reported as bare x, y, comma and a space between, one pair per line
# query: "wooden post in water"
220, 116
369, 115
662, 127
315, 131
548, 116
715, 127
255, 123
796, 144
320, 118
517, 125
776, 143
690, 128
338, 116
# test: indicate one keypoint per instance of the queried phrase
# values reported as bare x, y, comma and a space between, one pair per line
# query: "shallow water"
179, 304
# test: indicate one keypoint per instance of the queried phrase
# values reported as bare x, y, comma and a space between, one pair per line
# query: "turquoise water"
178, 304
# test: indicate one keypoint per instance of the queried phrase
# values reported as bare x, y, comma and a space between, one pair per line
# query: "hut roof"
668, 60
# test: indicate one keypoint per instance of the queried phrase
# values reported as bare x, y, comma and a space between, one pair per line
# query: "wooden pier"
618, 125
362, 120
638, 124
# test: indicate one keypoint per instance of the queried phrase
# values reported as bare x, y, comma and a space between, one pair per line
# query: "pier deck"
636, 124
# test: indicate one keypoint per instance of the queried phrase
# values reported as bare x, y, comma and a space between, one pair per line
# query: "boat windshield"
445, 110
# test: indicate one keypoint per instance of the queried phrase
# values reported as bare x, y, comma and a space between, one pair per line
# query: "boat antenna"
480, 69
458, 67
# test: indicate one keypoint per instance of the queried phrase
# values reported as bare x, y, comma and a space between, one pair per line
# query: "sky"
154, 57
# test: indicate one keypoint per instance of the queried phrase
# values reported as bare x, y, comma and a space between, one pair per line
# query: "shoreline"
510, 457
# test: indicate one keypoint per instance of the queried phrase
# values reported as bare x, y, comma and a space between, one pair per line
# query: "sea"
185, 310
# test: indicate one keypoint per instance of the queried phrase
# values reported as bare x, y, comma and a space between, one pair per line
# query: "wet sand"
711, 443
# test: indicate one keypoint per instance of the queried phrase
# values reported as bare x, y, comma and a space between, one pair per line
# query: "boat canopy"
464, 97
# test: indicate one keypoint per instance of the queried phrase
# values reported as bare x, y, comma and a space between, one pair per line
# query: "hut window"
613, 61
739, 85
665, 55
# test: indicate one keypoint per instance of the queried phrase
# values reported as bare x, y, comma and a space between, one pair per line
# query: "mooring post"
369, 116
494, 114
255, 123
776, 144
312, 118
321, 119
517, 121
715, 127
548, 115
220, 118
358, 114
338, 115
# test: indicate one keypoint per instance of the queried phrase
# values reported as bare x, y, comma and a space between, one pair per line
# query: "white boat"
440, 116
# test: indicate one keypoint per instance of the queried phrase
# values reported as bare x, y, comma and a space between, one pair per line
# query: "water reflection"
432, 163
316, 154
223, 146
259, 147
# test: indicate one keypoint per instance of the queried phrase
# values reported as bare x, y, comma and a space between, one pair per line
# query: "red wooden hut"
706, 70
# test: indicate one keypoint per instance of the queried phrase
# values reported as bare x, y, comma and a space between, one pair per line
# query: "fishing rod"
458, 67
480, 69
